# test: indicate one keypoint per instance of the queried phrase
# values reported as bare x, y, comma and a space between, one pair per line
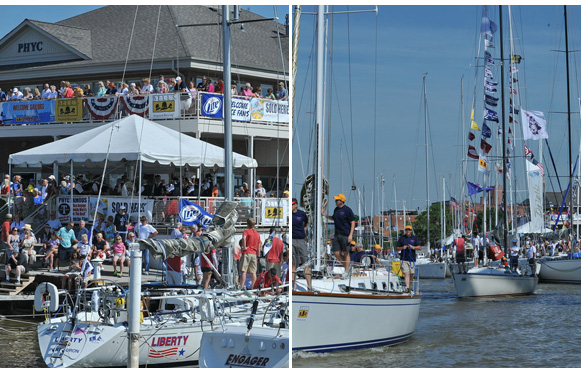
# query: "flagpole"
505, 223
569, 120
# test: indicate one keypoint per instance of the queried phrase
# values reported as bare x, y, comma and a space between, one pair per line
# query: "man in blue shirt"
407, 246
300, 252
281, 93
66, 236
344, 226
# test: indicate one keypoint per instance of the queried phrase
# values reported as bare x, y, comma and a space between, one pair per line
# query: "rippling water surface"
542, 330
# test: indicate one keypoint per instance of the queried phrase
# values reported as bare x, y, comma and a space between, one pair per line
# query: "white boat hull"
325, 322
94, 344
488, 282
560, 271
432, 270
265, 347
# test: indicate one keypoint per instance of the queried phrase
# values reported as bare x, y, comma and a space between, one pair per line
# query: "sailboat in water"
492, 281
323, 315
565, 269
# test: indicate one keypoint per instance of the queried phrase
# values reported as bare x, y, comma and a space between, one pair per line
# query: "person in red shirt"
268, 279
6, 231
274, 256
250, 249
459, 244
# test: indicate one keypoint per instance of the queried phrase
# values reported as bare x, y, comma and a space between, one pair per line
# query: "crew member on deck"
514, 255
460, 244
344, 226
407, 246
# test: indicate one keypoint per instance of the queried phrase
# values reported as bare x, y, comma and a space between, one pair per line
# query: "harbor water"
541, 330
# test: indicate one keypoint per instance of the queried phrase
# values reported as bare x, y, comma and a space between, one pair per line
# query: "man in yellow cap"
407, 245
344, 220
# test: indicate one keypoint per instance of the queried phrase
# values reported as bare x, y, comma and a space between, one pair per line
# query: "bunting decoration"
102, 107
136, 105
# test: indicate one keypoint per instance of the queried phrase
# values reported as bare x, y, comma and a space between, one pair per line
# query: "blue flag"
510, 110
487, 26
474, 188
488, 58
490, 100
490, 115
486, 131
86, 268
191, 213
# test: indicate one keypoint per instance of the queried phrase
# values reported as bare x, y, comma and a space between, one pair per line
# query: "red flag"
509, 118
509, 130
528, 152
472, 152
541, 168
470, 136
485, 146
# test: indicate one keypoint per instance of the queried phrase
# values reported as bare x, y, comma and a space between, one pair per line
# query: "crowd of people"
144, 87
65, 249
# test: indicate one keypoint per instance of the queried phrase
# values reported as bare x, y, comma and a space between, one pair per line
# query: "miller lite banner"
213, 106
27, 112
164, 106
191, 213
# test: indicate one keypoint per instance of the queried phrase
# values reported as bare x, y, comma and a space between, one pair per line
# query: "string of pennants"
533, 122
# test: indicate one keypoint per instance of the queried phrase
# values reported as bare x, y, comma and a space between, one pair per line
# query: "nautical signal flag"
515, 59
475, 125
488, 72
474, 188
471, 136
490, 100
490, 115
472, 152
528, 152
485, 146
486, 131
486, 25
482, 164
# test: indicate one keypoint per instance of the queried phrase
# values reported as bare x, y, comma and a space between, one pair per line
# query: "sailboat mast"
319, 128
569, 122
427, 165
504, 217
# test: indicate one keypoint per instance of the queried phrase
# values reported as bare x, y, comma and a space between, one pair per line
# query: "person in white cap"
16, 94
260, 191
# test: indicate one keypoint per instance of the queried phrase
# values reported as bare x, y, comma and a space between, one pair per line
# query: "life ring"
44, 290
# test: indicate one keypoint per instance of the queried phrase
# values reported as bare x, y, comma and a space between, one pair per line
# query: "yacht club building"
122, 43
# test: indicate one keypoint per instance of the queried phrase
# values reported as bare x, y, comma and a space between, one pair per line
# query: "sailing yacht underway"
323, 316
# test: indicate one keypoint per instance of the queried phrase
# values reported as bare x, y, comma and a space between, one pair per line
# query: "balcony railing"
156, 107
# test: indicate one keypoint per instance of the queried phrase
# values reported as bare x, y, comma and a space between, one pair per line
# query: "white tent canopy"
527, 228
158, 144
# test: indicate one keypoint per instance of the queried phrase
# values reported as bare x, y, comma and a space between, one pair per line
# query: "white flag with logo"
482, 164
534, 125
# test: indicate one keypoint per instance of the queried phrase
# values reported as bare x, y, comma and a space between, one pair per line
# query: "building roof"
104, 36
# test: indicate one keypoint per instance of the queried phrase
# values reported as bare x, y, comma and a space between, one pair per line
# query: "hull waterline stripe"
355, 345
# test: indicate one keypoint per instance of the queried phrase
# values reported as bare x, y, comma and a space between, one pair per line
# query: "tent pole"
10, 205
71, 184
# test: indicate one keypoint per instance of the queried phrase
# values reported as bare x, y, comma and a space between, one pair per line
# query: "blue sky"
441, 41
12, 15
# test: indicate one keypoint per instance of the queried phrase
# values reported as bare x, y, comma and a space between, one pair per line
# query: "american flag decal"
162, 353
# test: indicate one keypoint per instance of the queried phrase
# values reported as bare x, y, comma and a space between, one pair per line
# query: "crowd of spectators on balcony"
164, 85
